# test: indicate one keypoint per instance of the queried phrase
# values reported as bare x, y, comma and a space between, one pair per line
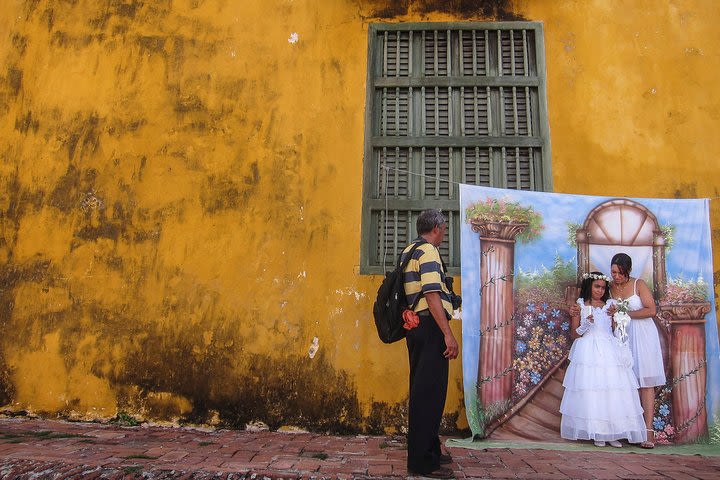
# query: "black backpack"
391, 302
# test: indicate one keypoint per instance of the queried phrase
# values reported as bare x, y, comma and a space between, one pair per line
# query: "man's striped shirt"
423, 274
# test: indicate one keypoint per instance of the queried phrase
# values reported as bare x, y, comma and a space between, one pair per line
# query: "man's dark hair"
429, 219
623, 262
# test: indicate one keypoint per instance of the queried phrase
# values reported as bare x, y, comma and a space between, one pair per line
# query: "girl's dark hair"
586, 287
623, 262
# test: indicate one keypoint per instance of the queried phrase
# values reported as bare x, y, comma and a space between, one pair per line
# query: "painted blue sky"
690, 218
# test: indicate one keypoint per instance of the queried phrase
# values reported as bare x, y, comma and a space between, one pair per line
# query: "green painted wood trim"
418, 26
458, 142
367, 236
544, 124
507, 81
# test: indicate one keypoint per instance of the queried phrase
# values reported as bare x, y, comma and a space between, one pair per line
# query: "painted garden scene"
523, 254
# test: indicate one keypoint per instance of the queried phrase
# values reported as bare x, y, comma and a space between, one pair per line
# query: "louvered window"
448, 103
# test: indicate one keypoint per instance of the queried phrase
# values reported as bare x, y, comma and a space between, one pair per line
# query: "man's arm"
438, 312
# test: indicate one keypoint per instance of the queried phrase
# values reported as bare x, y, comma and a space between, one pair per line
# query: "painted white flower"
294, 37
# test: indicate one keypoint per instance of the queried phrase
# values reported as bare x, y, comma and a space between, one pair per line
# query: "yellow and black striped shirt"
424, 273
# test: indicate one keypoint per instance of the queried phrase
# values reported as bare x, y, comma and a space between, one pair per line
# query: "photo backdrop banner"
522, 254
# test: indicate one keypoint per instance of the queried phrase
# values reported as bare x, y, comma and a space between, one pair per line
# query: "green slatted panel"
452, 102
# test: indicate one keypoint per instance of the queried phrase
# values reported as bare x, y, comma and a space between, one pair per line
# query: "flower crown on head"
595, 276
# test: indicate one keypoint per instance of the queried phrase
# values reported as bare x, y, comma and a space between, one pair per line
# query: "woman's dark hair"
623, 262
586, 286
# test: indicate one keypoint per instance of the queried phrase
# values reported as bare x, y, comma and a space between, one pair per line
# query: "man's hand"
451, 347
438, 313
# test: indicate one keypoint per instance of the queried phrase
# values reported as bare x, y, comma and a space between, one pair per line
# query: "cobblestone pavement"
43, 449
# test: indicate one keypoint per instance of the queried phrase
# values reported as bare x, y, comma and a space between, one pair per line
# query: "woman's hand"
612, 309
574, 310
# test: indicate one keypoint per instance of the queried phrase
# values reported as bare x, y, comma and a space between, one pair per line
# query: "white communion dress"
645, 346
601, 400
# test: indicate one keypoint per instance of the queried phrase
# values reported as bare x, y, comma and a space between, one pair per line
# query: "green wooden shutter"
449, 102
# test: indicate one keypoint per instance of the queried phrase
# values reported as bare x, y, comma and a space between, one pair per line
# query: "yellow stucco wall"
180, 191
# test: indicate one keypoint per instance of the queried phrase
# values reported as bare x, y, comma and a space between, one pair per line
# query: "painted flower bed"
542, 337
680, 291
542, 324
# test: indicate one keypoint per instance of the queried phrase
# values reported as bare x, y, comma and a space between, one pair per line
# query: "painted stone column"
582, 239
497, 242
688, 364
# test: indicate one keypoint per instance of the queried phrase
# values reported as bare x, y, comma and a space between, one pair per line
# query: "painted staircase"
537, 415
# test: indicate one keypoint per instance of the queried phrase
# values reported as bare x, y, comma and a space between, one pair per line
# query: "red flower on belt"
410, 319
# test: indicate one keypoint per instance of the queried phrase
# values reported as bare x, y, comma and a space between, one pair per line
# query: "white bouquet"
622, 320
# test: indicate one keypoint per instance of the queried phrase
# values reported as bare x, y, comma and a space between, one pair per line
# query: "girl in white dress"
644, 338
601, 401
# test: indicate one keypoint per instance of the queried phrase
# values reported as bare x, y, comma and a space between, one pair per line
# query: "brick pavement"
43, 449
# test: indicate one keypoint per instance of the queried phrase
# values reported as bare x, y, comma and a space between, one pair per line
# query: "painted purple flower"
551, 324
542, 316
535, 378
664, 410
565, 326
544, 306
530, 307
555, 312
520, 346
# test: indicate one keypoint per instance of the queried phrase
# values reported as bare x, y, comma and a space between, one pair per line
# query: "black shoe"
445, 459
440, 472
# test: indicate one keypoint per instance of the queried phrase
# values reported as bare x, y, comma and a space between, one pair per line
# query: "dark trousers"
428, 388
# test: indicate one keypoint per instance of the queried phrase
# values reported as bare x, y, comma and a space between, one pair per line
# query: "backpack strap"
403, 265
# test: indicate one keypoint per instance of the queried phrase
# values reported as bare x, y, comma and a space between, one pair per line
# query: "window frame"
373, 110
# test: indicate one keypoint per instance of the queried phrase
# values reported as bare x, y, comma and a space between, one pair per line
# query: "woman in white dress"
644, 338
600, 401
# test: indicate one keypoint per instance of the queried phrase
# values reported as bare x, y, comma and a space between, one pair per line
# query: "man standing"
430, 347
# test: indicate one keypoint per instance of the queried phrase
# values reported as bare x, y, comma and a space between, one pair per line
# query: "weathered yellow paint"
180, 191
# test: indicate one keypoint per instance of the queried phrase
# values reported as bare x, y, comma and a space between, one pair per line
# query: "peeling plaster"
349, 291
314, 346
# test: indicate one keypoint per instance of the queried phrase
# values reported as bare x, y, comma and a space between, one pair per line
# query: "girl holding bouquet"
600, 401
644, 338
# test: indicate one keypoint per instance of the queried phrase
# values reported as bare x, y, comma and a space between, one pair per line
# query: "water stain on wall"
11, 275
27, 122
286, 390
494, 9
64, 195
685, 190
384, 418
